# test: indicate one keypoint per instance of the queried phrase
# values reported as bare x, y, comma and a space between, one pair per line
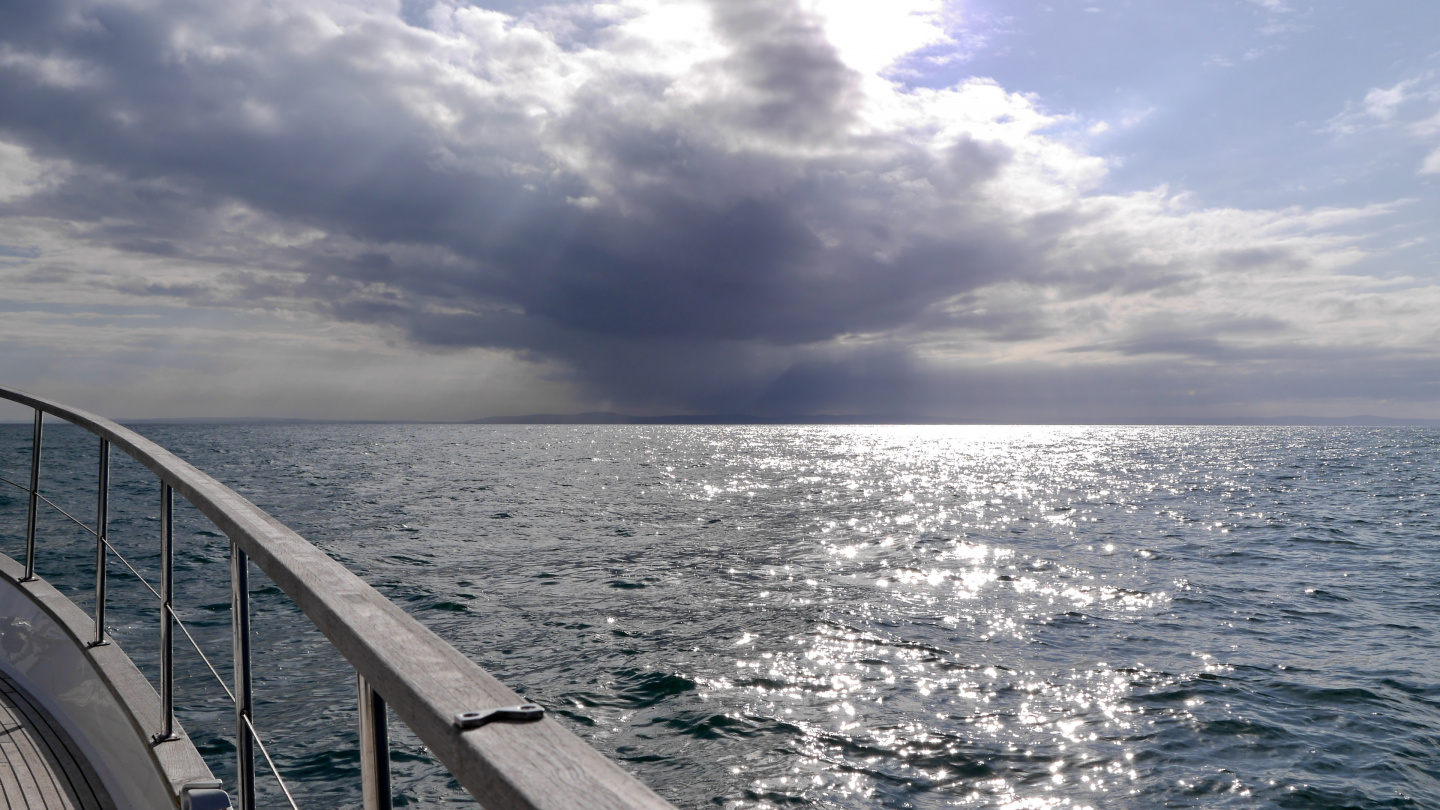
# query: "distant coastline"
610, 418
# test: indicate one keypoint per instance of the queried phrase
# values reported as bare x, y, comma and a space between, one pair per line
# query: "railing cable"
56, 507
201, 653
255, 735
126, 563
108, 544
5, 480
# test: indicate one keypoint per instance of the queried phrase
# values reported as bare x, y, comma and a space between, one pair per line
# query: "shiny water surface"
838, 617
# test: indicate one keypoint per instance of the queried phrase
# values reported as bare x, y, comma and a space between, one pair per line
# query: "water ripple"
842, 617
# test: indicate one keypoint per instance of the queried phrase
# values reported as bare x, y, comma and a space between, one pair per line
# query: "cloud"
1381, 106
1382, 102
1375, 110
693, 206
1432, 163
1407, 108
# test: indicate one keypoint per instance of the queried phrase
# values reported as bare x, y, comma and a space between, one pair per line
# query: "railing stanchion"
102, 506
167, 620
374, 748
30, 514
244, 699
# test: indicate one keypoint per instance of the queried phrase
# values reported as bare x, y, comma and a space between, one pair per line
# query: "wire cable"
255, 735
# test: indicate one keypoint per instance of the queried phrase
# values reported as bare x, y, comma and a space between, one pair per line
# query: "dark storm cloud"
668, 247
163, 140
797, 84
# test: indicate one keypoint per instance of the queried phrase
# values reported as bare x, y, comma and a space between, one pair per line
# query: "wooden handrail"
425, 680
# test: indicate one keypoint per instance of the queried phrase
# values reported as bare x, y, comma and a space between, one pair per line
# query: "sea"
828, 616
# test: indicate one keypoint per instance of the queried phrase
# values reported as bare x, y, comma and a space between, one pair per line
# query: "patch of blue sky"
1243, 103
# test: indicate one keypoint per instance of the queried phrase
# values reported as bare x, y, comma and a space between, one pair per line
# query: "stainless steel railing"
442, 696
243, 695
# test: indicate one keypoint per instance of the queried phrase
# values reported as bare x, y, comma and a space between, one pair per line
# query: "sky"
976, 210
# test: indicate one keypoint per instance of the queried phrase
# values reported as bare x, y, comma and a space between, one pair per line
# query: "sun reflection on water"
951, 562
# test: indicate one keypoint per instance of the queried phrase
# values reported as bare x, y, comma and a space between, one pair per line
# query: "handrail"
425, 681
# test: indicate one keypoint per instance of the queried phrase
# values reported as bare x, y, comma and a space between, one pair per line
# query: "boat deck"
40, 768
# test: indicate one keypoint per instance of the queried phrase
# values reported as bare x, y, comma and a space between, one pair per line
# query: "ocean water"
836, 617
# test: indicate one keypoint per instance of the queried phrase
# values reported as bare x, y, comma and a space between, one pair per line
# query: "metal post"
374, 748
102, 506
34, 499
167, 619
244, 700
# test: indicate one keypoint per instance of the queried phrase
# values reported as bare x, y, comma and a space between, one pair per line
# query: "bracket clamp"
524, 713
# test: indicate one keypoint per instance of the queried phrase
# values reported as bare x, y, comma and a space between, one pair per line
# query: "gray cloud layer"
730, 220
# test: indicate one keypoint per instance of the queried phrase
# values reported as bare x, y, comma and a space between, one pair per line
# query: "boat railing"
500, 748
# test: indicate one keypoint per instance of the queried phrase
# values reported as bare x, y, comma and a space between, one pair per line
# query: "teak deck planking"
39, 768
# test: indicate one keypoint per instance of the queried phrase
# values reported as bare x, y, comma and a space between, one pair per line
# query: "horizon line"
612, 418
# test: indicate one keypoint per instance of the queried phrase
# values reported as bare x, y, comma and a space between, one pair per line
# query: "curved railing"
518, 763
